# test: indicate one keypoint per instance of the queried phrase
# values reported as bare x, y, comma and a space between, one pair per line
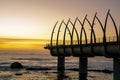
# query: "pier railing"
75, 42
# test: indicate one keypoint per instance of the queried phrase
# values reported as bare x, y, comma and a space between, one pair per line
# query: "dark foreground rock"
74, 69
16, 65
94, 70
18, 74
107, 71
104, 71
40, 68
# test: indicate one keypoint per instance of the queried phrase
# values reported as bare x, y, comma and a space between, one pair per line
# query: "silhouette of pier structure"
79, 43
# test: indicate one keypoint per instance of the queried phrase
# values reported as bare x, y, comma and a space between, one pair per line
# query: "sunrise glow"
34, 19
22, 44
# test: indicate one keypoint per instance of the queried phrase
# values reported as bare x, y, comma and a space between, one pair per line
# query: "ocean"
43, 59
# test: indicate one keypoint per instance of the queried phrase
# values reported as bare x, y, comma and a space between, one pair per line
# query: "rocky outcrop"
16, 65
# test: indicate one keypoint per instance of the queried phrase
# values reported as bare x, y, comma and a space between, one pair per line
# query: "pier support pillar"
61, 63
83, 68
116, 69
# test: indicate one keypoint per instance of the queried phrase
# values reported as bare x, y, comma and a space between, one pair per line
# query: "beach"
45, 66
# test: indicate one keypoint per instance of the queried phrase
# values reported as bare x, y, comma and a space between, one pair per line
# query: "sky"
34, 19
22, 44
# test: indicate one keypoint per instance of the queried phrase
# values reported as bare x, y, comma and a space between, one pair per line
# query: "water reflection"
82, 76
61, 75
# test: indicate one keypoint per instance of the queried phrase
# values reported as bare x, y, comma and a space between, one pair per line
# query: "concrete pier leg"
83, 68
61, 67
61, 63
116, 67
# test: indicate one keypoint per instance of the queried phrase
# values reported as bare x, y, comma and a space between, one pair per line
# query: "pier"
83, 45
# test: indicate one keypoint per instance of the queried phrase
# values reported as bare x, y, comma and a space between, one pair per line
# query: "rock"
107, 71
40, 68
74, 69
16, 65
104, 71
18, 74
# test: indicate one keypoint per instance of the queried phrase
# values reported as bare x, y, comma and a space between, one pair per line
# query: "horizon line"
12, 38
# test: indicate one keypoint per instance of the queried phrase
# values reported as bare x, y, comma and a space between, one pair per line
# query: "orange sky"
22, 44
